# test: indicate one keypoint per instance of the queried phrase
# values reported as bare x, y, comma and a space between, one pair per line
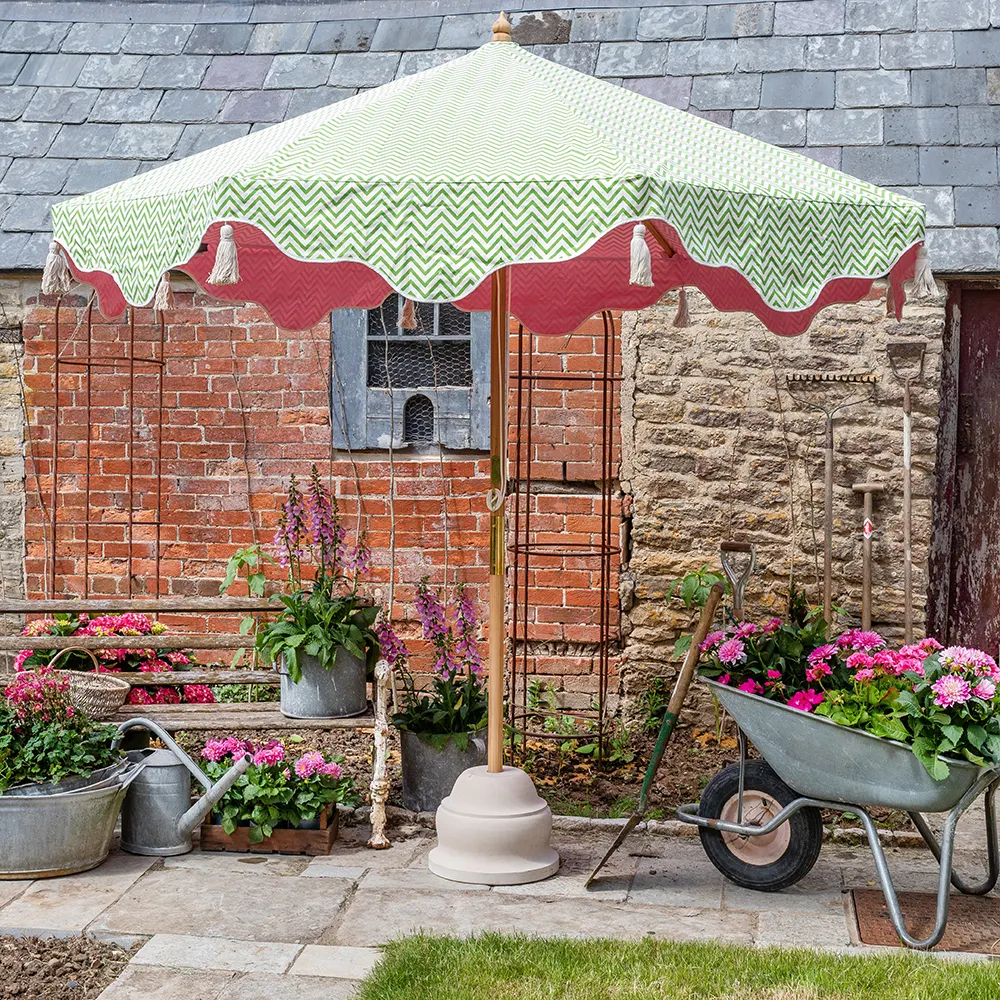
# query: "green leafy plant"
692, 591
653, 704
43, 738
323, 611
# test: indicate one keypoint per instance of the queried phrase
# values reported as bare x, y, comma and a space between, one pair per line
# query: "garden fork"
677, 697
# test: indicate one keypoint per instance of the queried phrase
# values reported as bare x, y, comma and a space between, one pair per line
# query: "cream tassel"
408, 321
683, 317
642, 262
164, 298
924, 286
226, 269
56, 279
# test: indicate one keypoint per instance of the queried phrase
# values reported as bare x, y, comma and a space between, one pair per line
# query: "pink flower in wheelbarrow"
985, 689
711, 641
951, 690
805, 701
751, 687
732, 651
744, 629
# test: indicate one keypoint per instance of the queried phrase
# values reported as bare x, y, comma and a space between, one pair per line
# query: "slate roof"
905, 94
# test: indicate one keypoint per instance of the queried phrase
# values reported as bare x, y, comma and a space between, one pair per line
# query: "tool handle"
735, 547
680, 691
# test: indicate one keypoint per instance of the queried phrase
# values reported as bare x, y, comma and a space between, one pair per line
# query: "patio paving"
222, 926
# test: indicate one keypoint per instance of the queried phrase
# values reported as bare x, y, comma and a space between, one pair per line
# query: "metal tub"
821, 760
47, 835
102, 776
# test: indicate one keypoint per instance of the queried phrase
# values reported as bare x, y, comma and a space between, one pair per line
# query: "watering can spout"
204, 805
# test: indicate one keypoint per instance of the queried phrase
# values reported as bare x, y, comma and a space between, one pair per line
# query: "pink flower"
817, 671
724, 678
309, 764
198, 694
822, 653
20, 658
856, 639
929, 645
272, 753
166, 696
140, 696
856, 660
331, 770
950, 690
805, 701
774, 675
985, 689
712, 640
732, 651
864, 675
772, 625
744, 629
751, 687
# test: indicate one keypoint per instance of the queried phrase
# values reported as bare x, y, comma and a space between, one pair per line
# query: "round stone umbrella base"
493, 830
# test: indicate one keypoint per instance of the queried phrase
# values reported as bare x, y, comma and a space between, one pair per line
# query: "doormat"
973, 921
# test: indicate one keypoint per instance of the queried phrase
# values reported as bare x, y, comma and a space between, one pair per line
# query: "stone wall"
716, 447
12, 295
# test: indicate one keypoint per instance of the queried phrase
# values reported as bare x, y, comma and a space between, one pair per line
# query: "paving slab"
335, 962
143, 982
222, 904
317, 869
240, 864
686, 878
187, 951
261, 986
802, 930
375, 917
72, 902
11, 890
821, 891
421, 878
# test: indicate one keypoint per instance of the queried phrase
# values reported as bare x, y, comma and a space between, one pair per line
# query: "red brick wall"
245, 405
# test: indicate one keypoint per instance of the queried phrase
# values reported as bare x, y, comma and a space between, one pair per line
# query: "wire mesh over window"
418, 420
437, 354
416, 364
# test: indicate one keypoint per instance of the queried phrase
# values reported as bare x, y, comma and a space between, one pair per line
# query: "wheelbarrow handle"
680, 691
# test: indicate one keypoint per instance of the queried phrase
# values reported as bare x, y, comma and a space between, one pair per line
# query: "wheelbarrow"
759, 820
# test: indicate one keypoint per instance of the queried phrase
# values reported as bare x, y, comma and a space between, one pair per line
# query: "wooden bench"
201, 717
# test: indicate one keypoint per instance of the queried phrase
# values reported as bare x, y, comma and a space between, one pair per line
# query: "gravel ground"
57, 968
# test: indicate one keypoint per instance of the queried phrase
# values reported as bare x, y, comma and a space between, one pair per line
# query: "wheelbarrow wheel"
766, 863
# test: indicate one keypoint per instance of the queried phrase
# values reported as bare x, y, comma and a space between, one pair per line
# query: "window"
413, 388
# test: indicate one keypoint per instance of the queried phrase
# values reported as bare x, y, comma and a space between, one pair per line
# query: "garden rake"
677, 697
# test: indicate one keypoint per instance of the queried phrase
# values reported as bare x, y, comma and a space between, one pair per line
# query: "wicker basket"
98, 696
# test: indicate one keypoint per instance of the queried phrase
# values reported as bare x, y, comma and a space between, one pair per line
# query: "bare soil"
57, 968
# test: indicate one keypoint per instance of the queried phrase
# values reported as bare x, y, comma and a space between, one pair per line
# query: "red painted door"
973, 397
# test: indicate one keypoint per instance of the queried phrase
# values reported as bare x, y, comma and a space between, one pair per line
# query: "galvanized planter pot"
325, 694
429, 773
821, 760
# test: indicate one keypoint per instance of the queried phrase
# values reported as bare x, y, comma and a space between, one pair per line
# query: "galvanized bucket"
102, 776
326, 694
429, 773
821, 760
48, 835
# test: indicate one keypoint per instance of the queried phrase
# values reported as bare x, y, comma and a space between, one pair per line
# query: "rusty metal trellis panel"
602, 555
91, 363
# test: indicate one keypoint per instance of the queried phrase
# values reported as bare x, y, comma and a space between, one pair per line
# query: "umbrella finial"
501, 28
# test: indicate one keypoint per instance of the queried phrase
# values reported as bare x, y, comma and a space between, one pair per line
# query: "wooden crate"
311, 842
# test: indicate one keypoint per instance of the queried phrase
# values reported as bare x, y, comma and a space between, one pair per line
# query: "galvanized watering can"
158, 817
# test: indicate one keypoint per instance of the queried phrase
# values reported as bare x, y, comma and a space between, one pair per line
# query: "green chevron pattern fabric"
498, 157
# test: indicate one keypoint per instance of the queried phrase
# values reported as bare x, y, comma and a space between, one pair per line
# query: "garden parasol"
503, 181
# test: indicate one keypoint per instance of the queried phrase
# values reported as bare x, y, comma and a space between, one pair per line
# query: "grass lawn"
495, 967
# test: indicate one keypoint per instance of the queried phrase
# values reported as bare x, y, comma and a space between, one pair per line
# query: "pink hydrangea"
41, 693
751, 687
309, 764
20, 658
140, 696
711, 641
951, 690
805, 701
166, 696
732, 651
771, 625
178, 659
154, 665
985, 689
744, 629
198, 694
272, 753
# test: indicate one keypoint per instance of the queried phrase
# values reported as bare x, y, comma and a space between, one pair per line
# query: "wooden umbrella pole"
498, 488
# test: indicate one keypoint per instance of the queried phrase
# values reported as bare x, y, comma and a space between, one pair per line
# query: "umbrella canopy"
499, 158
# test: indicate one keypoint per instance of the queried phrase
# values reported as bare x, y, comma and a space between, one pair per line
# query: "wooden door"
964, 599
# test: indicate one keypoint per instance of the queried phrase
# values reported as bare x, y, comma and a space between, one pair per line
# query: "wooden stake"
498, 485
501, 28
